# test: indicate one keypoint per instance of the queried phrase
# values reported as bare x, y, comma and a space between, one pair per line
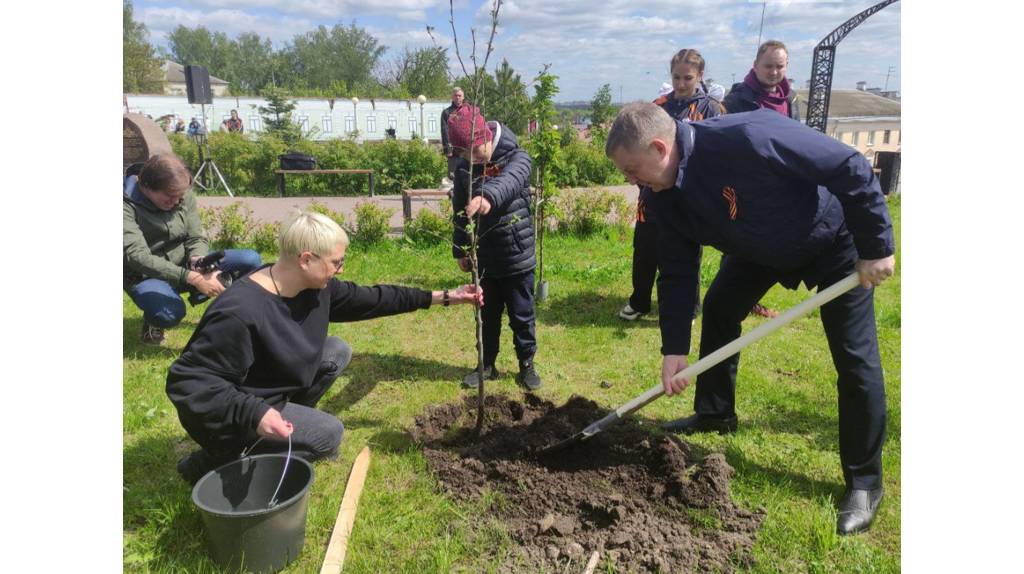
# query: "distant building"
174, 81
862, 119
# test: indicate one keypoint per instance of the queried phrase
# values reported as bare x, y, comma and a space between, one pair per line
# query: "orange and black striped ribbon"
730, 195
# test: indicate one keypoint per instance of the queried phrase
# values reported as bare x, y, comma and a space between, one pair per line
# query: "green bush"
582, 164
248, 164
429, 228
185, 149
207, 219
264, 237
339, 218
402, 165
584, 212
232, 225
372, 222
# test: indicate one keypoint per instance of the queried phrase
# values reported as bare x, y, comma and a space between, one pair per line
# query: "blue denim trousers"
162, 305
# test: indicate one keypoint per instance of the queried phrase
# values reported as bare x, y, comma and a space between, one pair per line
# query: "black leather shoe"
702, 423
472, 380
857, 510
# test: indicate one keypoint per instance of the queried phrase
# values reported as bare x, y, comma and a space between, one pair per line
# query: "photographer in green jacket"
164, 246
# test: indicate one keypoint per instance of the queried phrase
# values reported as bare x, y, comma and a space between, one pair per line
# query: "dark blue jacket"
768, 190
741, 98
506, 233
699, 106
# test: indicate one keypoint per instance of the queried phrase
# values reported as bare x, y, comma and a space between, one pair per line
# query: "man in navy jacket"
784, 204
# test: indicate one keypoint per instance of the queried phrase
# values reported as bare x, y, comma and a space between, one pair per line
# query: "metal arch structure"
823, 65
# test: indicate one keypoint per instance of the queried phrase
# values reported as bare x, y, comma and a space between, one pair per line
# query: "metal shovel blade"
585, 434
691, 372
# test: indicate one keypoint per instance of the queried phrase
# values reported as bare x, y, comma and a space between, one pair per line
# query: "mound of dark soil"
638, 497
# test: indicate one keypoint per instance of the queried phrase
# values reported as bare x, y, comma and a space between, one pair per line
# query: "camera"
204, 265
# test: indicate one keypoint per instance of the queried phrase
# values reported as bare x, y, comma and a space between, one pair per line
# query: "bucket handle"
273, 498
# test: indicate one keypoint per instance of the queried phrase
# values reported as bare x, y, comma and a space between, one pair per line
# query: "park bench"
281, 173
409, 194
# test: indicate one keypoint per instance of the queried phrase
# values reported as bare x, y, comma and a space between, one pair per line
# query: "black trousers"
849, 323
645, 267
315, 434
514, 293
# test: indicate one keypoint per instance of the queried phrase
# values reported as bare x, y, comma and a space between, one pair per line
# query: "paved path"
275, 209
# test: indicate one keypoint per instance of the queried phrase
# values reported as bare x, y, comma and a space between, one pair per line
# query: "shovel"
689, 373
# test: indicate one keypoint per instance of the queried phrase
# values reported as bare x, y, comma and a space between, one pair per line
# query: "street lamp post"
355, 116
423, 127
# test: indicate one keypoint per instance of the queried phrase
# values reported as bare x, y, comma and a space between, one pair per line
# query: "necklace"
274, 281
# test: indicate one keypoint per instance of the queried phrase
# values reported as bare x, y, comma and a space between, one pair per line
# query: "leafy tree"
509, 102
483, 97
427, 73
414, 72
331, 59
567, 133
602, 112
251, 66
545, 149
277, 115
142, 73
200, 47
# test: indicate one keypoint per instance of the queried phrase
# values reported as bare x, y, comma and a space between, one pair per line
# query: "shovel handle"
820, 298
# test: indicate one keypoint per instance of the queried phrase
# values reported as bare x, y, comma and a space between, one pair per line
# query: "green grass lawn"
785, 452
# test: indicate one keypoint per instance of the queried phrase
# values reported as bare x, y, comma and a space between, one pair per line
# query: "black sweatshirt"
254, 349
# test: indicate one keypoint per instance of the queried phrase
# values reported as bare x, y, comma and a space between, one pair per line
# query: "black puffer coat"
506, 233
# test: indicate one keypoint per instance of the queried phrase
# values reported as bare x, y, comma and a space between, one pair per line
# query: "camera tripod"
206, 160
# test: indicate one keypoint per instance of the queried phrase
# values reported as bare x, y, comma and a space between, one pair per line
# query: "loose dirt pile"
639, 498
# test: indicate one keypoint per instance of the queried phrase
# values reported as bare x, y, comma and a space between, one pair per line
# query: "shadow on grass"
368, 369
591, 309
158, 508
800, 484
820, 427
392, 441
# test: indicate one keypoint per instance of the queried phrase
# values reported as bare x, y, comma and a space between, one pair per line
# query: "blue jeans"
160, 302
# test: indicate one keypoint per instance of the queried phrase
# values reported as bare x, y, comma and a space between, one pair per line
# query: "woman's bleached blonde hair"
310, 231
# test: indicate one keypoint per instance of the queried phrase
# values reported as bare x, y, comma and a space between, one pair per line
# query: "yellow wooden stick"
335, 557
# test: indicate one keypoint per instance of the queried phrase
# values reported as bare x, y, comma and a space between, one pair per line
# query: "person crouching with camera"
164, 244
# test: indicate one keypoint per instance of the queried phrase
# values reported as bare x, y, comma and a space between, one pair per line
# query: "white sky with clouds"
625, 43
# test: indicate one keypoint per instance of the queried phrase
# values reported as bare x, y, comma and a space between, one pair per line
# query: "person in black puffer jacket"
499, 205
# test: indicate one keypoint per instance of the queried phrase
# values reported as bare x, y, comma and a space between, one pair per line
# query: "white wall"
367, 114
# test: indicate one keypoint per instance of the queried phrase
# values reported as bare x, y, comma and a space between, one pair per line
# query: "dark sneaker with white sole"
152, 335
630, 314
528, 377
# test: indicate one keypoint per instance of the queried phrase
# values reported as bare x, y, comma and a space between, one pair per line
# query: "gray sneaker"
528, 377
629, 314
472, 380
152, 335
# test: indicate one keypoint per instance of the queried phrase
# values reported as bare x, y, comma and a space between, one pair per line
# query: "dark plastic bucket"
241, 529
